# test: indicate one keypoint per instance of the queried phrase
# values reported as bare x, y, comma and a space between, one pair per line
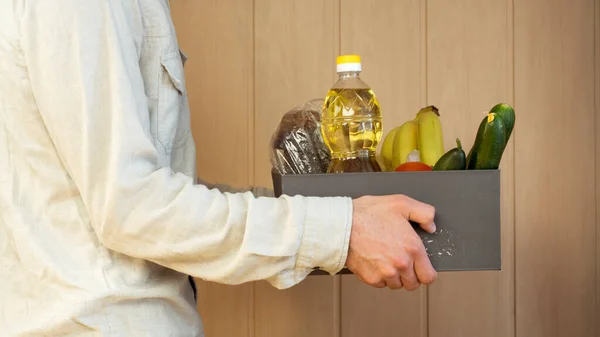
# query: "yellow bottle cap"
348, 63
342, 59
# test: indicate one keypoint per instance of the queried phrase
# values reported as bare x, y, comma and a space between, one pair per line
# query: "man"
100, 217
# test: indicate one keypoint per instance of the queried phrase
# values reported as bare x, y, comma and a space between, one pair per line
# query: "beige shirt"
101, 220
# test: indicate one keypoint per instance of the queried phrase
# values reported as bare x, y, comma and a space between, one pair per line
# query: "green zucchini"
489, 145
452, 160
507, 114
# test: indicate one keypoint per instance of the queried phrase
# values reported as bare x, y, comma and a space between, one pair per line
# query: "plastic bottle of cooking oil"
351, 122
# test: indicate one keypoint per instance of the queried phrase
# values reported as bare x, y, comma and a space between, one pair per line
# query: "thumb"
423, 214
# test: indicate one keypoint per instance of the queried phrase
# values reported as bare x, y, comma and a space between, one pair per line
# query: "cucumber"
507, 114
452, 160
489, 145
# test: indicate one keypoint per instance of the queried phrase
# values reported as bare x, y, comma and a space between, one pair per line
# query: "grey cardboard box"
467, 207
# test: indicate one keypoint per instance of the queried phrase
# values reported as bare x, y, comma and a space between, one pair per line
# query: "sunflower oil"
351, 121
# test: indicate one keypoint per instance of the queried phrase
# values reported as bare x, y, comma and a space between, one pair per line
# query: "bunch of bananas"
423, 134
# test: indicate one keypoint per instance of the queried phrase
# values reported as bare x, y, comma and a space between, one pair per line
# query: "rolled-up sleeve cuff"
326, 238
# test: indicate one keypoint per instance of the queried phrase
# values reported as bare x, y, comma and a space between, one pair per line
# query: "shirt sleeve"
257, 191
85, 76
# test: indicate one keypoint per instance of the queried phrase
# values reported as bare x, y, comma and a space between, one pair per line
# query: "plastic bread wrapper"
297, 145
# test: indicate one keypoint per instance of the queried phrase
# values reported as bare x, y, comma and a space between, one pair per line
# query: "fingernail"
433, 227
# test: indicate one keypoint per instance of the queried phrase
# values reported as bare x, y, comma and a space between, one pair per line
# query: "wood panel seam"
337, 305
339, 28
423, 59
337, 280
252, 106
252, 163
596, 53
512, 93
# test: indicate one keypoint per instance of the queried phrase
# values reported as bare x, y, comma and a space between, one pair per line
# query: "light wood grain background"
252, 60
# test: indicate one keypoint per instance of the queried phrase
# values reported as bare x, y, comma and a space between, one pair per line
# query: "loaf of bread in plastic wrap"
297, 145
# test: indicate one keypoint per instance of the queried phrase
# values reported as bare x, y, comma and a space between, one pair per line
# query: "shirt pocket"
172, 114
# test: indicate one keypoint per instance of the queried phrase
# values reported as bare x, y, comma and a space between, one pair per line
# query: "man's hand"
385, 250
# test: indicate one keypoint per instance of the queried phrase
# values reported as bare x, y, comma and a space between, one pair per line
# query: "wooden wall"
252, 60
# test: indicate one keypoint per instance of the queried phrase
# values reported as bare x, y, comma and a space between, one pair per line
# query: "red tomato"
414, 166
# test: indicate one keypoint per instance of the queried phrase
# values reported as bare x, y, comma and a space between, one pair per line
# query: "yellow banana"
381, 163
405, 141
431, 141
387, 148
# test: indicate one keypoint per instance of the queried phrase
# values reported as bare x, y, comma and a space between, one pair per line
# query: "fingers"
403, 276
376, 283
408, 275
409, 278
424, 269
391, 277
419, 212
368, 274
415, 267
404, 267
394, 283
